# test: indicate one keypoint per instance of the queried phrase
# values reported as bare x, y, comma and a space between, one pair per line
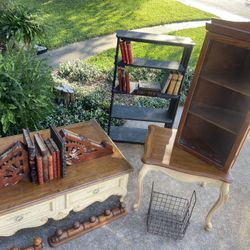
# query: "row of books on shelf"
123, 80
170, 85
44, 158
126, 52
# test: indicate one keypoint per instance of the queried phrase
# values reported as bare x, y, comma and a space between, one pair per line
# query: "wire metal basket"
169, 215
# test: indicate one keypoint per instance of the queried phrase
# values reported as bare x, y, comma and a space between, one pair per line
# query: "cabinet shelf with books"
169, 89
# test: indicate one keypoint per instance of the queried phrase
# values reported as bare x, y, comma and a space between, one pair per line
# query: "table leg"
223, 196
145, 169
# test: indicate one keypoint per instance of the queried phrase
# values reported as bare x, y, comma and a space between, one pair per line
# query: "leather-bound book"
120, 78
44, 152
61, 146
172, 83
124, 87
53, 154
123, 49
165, 83
39, 167
129, 52
58, 159
32, 155
178, 84
127, 82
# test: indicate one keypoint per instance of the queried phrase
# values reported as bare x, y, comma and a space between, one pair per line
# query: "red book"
124, 52
44, 152
53, 154
50, 167
129, 52
58, 159
127, 82
120, 78
39, 167
124, 88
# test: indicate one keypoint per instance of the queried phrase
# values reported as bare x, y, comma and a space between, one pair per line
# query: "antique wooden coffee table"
27, 205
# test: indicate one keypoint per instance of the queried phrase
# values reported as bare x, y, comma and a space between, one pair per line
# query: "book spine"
58, 160
123, 80
33, 171
54, 165
177, 87
171, 87
127, 82
50, 167
123, 51
120, 78
166, 84
129, 52
39, 165
45, 168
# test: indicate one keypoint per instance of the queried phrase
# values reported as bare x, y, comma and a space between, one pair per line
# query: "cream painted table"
161, 155
26, 205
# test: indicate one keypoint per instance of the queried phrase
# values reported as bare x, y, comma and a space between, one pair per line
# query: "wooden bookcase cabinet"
216, 115
26, 205
137, 135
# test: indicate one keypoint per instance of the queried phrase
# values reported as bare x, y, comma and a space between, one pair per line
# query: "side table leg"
224, 194
145, 169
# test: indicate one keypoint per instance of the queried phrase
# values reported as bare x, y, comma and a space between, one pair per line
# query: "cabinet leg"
141, 176
223, 196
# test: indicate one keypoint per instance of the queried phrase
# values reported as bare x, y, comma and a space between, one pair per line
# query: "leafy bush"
186, 85
84, 108
80, 71
19, 24
26, 88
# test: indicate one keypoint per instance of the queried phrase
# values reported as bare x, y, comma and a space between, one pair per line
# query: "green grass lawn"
105, 60
71, 21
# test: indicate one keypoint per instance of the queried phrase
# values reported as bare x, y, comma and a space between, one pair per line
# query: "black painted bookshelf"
165, 116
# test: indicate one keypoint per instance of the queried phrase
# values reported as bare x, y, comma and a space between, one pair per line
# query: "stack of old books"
126, 52
44, 158
123, 79
170, 85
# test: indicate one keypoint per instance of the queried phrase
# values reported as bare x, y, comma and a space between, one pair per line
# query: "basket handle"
192, 202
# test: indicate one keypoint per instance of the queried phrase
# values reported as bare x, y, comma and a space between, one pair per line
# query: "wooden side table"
163, 156
27, 205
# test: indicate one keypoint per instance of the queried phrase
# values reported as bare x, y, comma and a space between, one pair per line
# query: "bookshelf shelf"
216, 116
166, 116
128, 134
141, 92
155, 64
141, 114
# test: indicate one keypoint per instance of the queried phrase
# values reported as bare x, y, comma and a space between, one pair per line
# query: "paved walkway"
87, 48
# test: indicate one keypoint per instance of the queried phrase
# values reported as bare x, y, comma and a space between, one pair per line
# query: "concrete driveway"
238, 10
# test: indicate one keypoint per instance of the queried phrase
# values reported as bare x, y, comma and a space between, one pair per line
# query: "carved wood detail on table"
80, 228
80, 148
13, 164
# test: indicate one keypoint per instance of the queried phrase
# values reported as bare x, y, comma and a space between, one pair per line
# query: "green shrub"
19, 24
85, 107
186, 85
26, 88
79, 71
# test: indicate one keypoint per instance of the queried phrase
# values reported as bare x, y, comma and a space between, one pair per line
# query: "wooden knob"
92, 219
76, 224
59, 232
107, 212
14, 248
37, 241
122, 205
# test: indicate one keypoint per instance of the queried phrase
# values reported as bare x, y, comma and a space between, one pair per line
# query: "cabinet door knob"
19, 218
96, 191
